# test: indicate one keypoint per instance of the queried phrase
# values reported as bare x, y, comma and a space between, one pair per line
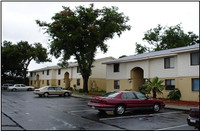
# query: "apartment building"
178, 67
70, 76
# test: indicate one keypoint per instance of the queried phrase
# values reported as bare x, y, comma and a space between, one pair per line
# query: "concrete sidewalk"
167, 106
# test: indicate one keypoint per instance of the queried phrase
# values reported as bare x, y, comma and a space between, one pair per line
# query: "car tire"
46, 94
14, 89
102, 111
66, 94
29, 89
156, 107
120, 109
40, 95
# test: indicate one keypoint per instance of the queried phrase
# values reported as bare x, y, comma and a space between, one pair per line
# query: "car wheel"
156, 107
40, 95
119, 109
29, 89
66, 94
14, 89
102, 111
46, 94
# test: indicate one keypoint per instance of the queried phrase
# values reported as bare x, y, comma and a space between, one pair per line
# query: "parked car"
52, 90
16, 87
5, 86
193, 117
120, 101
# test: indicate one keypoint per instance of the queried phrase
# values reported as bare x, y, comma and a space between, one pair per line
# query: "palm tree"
155, 86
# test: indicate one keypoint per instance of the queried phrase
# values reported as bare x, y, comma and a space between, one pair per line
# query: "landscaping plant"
174, 94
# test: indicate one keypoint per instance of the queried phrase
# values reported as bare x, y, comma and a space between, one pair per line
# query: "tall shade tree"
81, 31
28, 52
162, 38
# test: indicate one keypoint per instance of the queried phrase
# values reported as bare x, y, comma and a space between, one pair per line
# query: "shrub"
174, 94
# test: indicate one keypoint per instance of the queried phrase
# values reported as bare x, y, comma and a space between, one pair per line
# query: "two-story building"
178, 67
70, 76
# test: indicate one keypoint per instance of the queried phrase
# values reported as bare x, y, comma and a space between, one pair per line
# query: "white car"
20, 87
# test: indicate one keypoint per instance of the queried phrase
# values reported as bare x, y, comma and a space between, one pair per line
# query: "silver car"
51, 90
20, 87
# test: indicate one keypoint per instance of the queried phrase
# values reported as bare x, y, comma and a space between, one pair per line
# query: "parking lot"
27, 111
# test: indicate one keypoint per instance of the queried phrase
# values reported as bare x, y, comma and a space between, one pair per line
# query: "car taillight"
102, 102
36, 90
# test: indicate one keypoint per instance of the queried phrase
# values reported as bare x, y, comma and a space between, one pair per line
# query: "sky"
18, 23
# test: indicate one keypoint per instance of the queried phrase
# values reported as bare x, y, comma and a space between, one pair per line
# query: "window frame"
167, 59
170, 87
58, 82
59, 71
116, 84
191, 60
47, 72
78, 82
193, 85
116, 67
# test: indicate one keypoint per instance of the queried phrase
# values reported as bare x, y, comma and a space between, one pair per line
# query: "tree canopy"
162, 38
17, 57
81, 31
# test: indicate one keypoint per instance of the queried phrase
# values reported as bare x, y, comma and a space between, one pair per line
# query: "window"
169, 84
195, 84
194, 58
51, 88
34, 73
169, 62
47, 72
116, 84
31, 82
111, 94
140, 95
116, 67
128, 95
59, 72
58, 82
47, 82
31, 74
78, 70
78, 82
43, 72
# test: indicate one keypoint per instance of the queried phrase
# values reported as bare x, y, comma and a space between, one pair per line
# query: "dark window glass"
116, 84
111, 94
169, 84
195, 84
78, 82
43, 72
51, 88
116, 67
128, 95
47, 72
31, 74
140, 95
59, 72
58, 82
194, 58
47, 82
169, 62
78, 69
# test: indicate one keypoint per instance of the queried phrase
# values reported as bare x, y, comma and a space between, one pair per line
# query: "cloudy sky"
18, 22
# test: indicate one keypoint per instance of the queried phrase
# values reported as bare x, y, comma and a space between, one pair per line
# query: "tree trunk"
24, 72
85, 84
154, 94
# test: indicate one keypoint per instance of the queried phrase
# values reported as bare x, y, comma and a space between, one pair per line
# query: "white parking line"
135, 116
172, 127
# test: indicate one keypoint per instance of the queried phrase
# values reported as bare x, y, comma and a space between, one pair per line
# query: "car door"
130, 100
51, 90
17, 86
143, 101
23, 87
58, 91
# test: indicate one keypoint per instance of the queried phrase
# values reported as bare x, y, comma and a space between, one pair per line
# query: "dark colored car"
193, 118
120, 101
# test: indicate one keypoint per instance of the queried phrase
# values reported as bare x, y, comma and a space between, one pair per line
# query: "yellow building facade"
178, 68
70, 76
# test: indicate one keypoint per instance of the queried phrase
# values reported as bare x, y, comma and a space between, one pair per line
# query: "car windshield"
111, 94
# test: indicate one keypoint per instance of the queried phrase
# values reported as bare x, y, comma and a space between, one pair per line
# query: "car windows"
22, 85
111, 94
17, 85
57, 88
41, 88
129, 95
51, 88
140, 95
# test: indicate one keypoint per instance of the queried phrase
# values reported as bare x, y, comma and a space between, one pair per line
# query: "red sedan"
120, 101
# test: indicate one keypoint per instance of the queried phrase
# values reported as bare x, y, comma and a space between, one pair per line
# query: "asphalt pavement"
9, 124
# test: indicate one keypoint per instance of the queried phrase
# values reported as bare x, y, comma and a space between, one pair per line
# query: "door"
144, 102
130, 100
